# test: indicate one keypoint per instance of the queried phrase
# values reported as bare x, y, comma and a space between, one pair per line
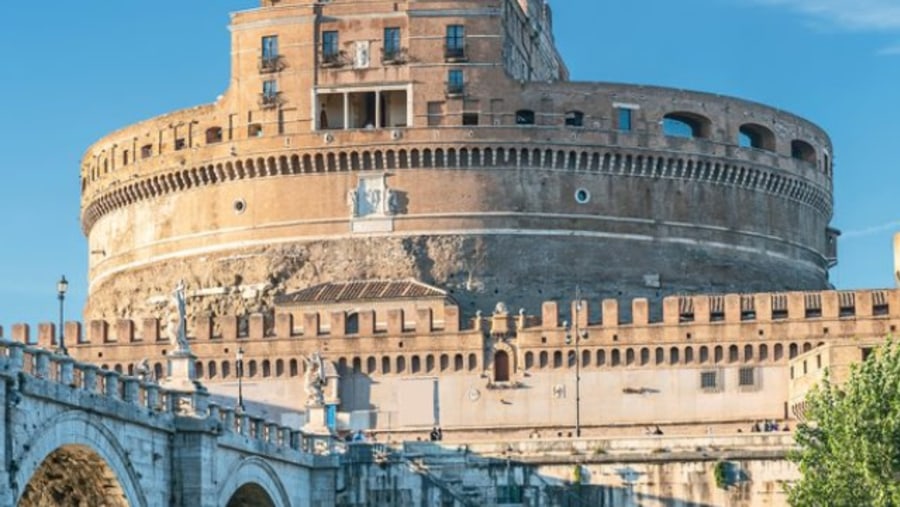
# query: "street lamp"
239, 369
578, 336
61, 287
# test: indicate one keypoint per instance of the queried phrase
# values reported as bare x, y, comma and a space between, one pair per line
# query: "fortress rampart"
700, 329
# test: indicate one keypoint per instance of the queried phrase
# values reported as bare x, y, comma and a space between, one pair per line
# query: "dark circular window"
582, 196
239, 206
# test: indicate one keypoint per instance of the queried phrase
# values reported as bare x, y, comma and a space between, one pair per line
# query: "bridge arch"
253, 478
71, 435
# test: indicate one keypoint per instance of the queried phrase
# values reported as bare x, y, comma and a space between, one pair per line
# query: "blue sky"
71, 74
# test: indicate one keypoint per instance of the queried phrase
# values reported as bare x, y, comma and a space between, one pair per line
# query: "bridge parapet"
68, 382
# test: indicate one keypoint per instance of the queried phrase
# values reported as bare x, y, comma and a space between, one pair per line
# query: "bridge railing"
47, 365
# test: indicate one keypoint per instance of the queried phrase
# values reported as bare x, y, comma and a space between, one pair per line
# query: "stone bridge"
75, 434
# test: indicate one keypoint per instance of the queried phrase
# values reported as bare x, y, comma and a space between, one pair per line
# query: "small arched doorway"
73, 475
501, 366
250, 495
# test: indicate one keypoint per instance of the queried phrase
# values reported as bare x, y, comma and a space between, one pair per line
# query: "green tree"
849, 448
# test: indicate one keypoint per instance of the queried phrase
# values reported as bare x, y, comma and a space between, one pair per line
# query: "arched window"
226, 369
524, 117
252, 368
198, 368
445, 362
732, 354
543, 359
385, 365
616, 357
293, 369
429, 363
401, 364
793, 351
352, 323
458, 362
529, 360
645, 356
687, 125
416, 364
370, 365
211, 370
279, 367
629, 357
501, 366
704, 354
473, 362
802, 150
266, 368
752, 135
557, 359
673, 355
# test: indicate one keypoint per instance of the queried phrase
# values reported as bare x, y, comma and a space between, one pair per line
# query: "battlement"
683, 312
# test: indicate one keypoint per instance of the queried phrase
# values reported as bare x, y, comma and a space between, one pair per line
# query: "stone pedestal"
316, 420
186, 394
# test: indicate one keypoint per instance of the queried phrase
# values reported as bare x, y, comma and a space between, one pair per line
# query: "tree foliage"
849, 448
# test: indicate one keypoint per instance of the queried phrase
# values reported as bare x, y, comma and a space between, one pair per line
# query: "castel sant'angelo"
415, 190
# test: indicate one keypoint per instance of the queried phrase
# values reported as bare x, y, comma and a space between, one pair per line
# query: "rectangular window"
391, 44
125, 157
455, 42
269, 96
624, 115
270, 88
270, 47
470, 119
746, 377
455, 83
269, 58
330, 50
179, 144
709, 380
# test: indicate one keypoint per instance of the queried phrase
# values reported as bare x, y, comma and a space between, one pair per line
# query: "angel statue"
315, 380
178, 329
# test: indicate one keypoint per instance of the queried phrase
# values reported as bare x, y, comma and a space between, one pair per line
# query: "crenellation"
395, 322
21, 333
125, 331
73, 332
550, 314
424, 321
640, 312
451, 318
228, 327
284, 325
98, 332
610, 313
702, 312
201, 329
672, 309
338, 324
311, 327
257, 326
366, 319
46, 335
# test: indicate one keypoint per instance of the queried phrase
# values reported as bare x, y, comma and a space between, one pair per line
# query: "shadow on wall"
423, 473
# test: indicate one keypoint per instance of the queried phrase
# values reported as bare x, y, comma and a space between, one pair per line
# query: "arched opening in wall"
211, 371
73, 475
687, 125
370, 366
198, 368
351, 325
802, 150
445, 362
385, 365
279, 367
401, 364
458, 362
252, 368
473, 362
213, 135
529, 360
645, 356
226, 369
752, 135
501, 366
416, 364
524, 117
429, 363
543, 359
250, 495
557, 359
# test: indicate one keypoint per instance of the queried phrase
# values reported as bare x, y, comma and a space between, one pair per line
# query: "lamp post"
61, 287
578, 336
239, 369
